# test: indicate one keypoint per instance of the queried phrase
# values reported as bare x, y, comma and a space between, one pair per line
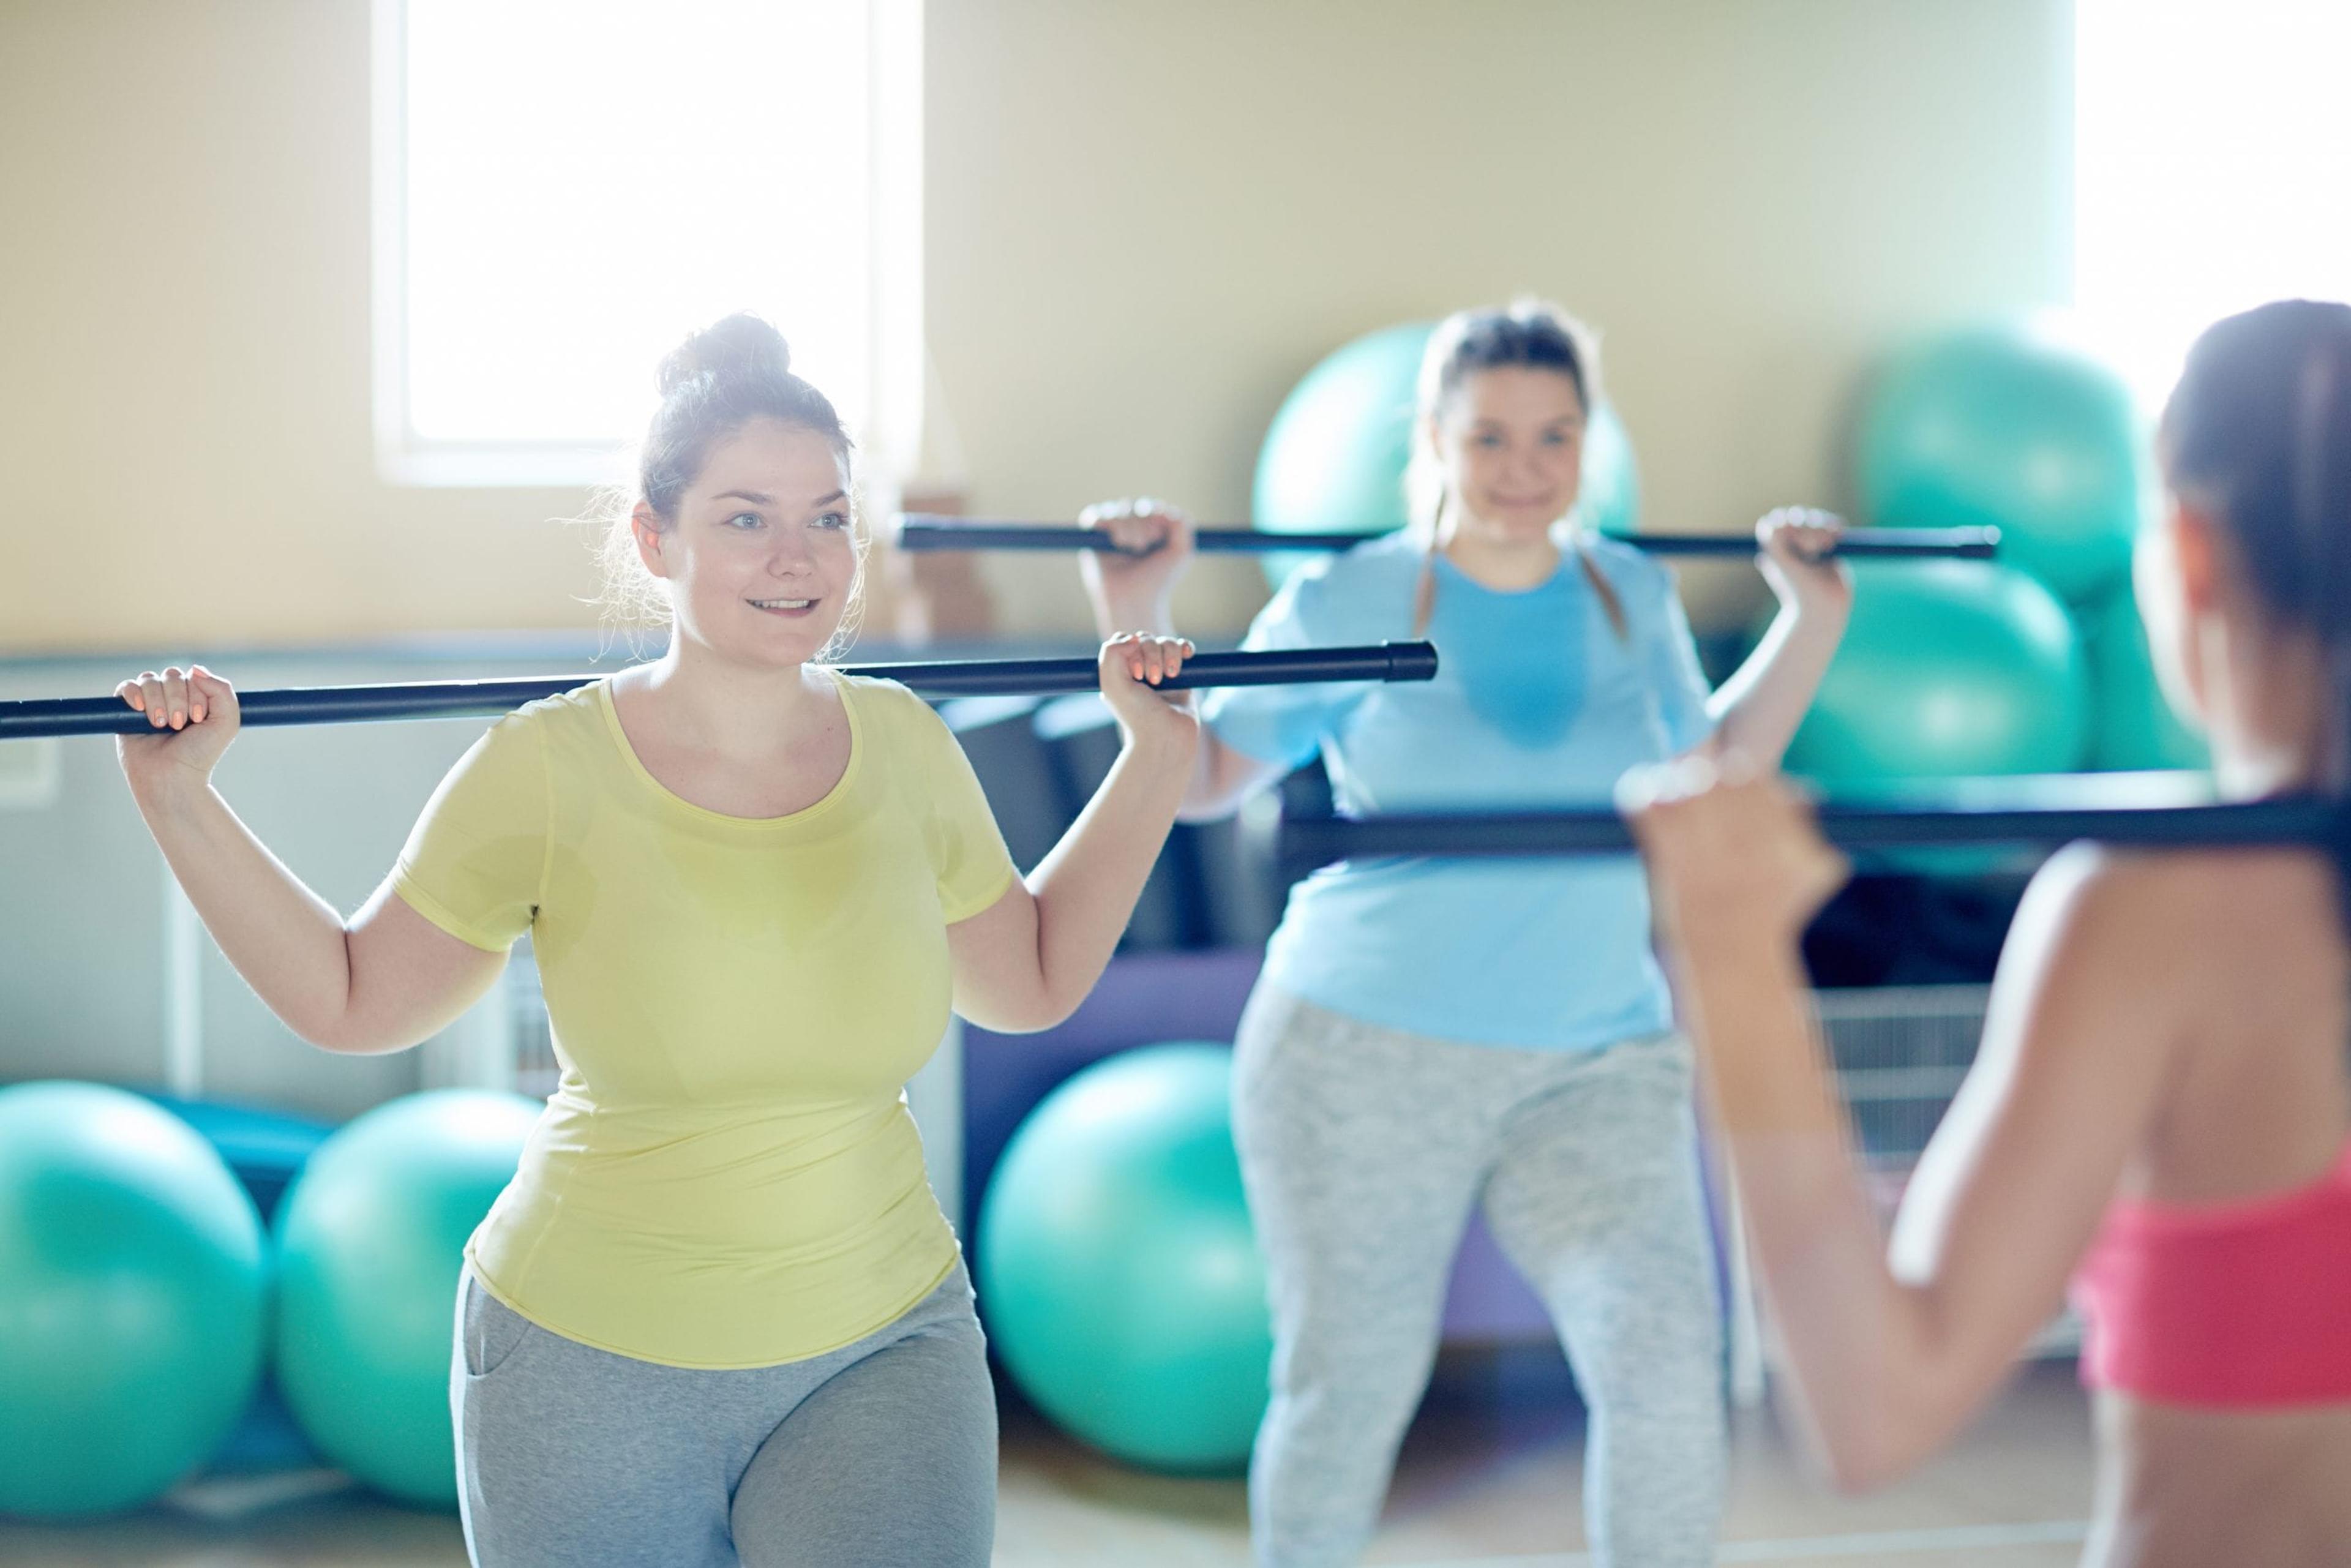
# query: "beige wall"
184, 389
1146, 221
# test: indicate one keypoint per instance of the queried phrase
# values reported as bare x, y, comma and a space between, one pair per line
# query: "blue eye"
833, 520
1489, 440
746, 520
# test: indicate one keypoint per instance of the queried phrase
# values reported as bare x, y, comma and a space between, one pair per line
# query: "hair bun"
737, 345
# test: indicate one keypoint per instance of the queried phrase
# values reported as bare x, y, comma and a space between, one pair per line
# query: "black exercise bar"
2043, 811
927, 531
971, 677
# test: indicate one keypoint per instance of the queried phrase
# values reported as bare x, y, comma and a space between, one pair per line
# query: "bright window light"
566, 187
2212, 159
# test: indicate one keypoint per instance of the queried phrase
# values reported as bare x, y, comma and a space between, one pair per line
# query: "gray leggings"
1364, 1150
882, 1451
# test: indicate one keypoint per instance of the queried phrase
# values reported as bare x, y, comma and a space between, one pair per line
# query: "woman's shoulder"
547, 721
1627, 566
1370, 579
2170, 920
890, 709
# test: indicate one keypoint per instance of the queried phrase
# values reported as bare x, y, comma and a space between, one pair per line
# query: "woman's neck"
1504, 561
2266, 697
709, 704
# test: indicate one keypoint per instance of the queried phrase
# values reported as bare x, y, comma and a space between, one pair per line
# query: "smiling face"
1510, 443
760, 558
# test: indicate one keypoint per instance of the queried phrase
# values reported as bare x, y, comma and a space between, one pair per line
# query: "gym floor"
1489, 1478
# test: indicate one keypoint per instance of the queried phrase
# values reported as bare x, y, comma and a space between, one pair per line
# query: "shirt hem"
955, 913
482, 1276
404, 885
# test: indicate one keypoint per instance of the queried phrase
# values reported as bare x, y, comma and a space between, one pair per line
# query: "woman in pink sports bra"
2160, 1113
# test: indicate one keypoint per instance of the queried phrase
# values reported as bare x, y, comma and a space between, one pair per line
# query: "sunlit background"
573, 184
2212, 169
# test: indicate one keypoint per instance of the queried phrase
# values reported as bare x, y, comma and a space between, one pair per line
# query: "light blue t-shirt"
1537, 704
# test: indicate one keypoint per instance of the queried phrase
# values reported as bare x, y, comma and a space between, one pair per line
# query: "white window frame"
888, 428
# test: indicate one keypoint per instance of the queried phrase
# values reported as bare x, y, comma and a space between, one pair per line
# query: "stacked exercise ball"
133, 1297
1947, 668
2014, 429
371, 1242
2036, 665
1117, 1268
1335, 458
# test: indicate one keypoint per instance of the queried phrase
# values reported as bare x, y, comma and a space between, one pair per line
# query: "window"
2212, 155
564, 188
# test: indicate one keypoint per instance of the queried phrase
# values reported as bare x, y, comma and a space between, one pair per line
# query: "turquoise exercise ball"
1947, 668
133, 1300
2132, 724
371, 1241
1335, 454
1118, 1273
2013, 430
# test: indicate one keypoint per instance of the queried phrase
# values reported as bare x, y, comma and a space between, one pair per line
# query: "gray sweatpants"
882, 1451
1364, 1150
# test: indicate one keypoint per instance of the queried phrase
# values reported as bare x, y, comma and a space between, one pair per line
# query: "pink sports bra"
2233, 1304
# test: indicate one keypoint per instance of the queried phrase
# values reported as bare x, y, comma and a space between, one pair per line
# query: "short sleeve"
1673, 668
475, 861
967, 853
1283, 725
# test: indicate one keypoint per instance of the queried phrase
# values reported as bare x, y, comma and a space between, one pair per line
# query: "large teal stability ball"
1947, 669
371, 1242
2016, 431
1118, 1273
2132, 724
1335, 456
133, 1300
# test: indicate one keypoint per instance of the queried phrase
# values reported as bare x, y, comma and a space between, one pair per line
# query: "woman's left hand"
1134, 663
1734, 854
1798, 545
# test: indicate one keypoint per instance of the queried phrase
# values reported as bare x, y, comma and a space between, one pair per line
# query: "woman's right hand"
1132, 586
192, 717
1132, 666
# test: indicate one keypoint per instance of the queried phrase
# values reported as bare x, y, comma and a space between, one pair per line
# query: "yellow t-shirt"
726, 1174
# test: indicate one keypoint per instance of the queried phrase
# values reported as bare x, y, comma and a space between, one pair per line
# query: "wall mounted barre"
929, 531
942, 678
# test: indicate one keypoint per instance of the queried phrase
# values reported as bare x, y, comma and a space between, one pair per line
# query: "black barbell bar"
929, 531
2027, 811
942, 678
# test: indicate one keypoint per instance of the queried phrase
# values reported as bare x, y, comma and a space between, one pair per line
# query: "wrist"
1172, 742
1119, 612
1741, 950
170, 792
1819, 607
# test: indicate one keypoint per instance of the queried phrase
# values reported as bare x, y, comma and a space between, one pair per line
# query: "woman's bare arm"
1027, 960
1889, 1355
386, 979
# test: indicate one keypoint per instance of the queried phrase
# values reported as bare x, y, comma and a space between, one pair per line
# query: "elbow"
1030, 1014
1855, 1467
343, 1036
1872, 1446
1044, 1011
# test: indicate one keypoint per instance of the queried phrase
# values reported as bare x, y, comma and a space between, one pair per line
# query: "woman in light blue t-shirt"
1430, 1036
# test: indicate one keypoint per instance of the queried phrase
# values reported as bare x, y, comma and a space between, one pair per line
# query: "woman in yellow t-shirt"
718, 1317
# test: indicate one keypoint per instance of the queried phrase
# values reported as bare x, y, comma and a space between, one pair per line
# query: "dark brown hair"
721, 378
2258, 434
